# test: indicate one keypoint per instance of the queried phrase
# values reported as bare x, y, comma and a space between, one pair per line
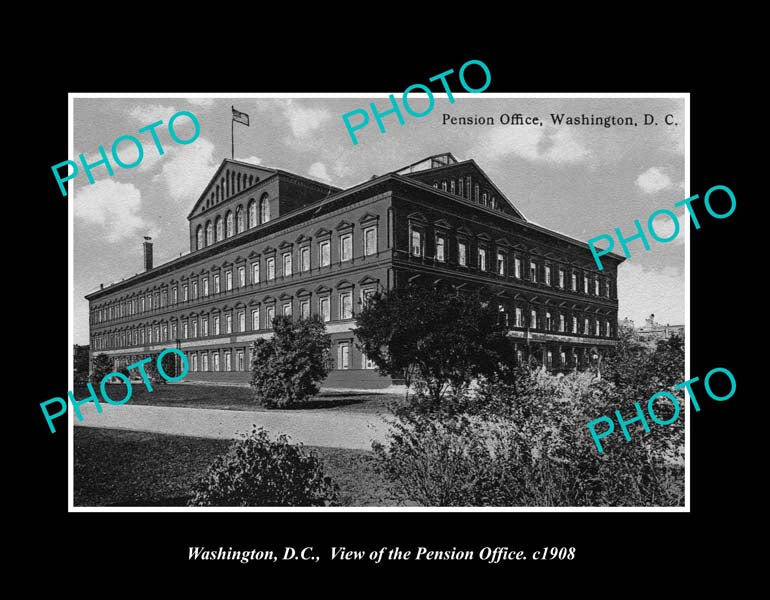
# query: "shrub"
101, 366
256, 471
288, 368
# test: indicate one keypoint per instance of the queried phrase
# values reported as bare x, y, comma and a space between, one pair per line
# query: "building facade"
265, 242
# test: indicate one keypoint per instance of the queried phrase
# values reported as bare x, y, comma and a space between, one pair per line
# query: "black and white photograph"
374, 303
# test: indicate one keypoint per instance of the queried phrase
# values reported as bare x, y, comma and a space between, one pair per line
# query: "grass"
132, 468
240, 398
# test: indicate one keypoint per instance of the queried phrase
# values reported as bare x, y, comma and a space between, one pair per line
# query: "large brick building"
265, 242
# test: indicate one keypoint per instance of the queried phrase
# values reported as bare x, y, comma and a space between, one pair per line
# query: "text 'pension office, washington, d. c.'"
265, 242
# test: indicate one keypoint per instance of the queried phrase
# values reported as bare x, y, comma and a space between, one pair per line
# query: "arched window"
227, 184
251, 179
218, 193
229, 224
222, 185
476, 192
239, 220
209, 233
199, 238
264, 209
218, 229
252, 213
239, 182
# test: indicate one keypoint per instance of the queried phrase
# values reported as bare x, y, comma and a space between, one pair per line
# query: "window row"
233, 223
466, 188
217, 360
328, 306
506, 263
229, 184
555, 321
283, 262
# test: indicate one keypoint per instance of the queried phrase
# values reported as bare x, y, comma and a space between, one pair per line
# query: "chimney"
147, 245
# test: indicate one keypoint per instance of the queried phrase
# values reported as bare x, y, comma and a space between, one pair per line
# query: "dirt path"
313, 428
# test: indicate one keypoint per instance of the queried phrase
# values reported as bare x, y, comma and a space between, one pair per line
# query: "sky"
580, 180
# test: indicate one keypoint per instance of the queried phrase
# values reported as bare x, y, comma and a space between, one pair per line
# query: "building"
265, 241
652, 331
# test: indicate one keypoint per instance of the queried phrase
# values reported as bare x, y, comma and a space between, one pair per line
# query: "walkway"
333, 429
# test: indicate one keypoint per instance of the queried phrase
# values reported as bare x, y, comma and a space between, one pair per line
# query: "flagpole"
232, 133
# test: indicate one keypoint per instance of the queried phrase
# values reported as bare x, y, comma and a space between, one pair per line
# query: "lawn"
240, 398
131, 468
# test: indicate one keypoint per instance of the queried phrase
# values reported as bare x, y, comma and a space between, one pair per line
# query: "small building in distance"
653, 331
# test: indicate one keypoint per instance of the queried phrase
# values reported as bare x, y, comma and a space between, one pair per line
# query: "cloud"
535, 144
664, 227
644, 291
188, 169
653, 180
149, 113
304, 121
318, 171
113, 206
204, 102
254, 160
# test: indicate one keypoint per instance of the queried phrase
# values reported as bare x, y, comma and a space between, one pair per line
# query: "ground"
240, 398
133, 468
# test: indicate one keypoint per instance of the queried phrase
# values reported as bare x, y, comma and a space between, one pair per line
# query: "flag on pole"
240, 117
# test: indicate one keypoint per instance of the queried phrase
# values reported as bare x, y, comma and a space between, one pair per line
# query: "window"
435, 184
519, 357
229, 323
270, 264
561, 278
194, 362
195, 328
462, 254
586, 327
199, 238
241, 276
346, 305
215, 359
228, 360
500, 263
416, 242
585, 284
452, 186
574, 325
242, 321
548, 322
561, 322
219, 228
468, 187
549, 360
217, 287
264, 209
547, 275
517, 267
366, 295
195, 289
229, 224
184, 331
493, 202
205, 361
596, 287
209, 234
217, 330
184, 295
255, 319
533, 272
598, 328
174, 296
533, 319
204, 326
304, 258
607, 288
483, 259
443, 185
519, 317
304, 309
476, 192
367, 362
240, 226
574, 282
255, 272
484, 199
324, 309
346, 247
269, 316
205, 286
460, 187
324, 252
228, 280
239, 360
252, 214
440, 247
286, 264
370, 241
562, 359
286, 309
343, 355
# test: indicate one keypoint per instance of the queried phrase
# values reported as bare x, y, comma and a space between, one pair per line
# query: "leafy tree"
434, 338
102, 365
80, 365
288, 368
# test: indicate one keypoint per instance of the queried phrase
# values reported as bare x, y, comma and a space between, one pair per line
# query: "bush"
259, 472
288, 368
101, 366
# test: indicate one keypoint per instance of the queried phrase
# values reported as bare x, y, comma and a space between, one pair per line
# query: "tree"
288, 368
80, 364
435, 338
102, 365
